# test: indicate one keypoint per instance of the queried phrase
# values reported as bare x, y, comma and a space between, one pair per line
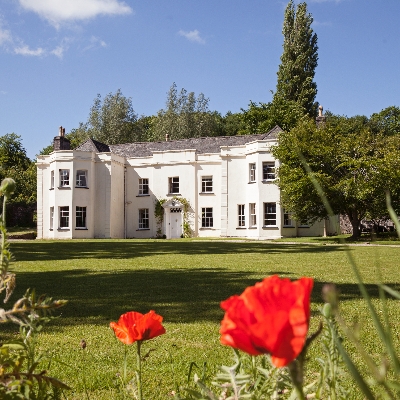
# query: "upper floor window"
173, 184
64, 177
206, 184
81, 178
269, 214
252, 172
268, 171
52, 179
80, 217
253, 216
144, 218
64, 217
143, 186
207, 220
241, 216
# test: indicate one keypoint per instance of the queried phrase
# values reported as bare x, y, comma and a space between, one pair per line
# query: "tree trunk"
355, 221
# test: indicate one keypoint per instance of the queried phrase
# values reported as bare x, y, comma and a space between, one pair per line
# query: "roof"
202, 145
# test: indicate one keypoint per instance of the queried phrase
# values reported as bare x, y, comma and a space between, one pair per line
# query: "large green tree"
353, 162
185, 116
299, 60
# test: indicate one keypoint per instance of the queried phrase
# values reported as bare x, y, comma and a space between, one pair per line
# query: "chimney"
321, 119
61, 142
167, 137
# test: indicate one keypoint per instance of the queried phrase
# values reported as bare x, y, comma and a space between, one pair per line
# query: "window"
143, 186
207, 217
144, 218
51, 218
52, 180
80, 216
268, 171
173, 184
253, 216
269, 214
252, 172
241, 217
64, 177
287, 218
206, 184
81, 178
64, 217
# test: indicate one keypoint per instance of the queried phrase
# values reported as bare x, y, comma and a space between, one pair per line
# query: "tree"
353, 164
299, 60
185, 116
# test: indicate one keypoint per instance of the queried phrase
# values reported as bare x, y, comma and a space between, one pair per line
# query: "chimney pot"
60, 131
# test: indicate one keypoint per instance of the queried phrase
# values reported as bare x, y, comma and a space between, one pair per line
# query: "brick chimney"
61, 142
321, 119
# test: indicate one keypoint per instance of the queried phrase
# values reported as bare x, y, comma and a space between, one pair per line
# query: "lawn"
184, 281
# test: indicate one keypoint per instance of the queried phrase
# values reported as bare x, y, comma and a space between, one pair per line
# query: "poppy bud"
7, 187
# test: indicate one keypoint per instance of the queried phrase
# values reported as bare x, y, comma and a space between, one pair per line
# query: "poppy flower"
271, 317
134, 326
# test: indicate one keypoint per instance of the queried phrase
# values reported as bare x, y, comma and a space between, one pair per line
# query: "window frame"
207, 184
64, 181
63, 221
52, 179
287, 219
269, 166
252, 172
252, 215
143, 186
269, 214
241, 216
207, 217
143, 219
81, 213
173, 185
51, 222
77, 182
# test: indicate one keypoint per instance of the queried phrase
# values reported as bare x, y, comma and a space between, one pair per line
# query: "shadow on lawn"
180, 295
67, 250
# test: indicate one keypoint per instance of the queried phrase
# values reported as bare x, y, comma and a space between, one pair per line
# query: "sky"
57, 55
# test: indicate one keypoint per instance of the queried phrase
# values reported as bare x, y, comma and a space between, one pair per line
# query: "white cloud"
58, 11
58, 51
193, 36
24, 50
5, 36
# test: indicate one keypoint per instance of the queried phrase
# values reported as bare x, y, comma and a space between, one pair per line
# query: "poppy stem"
139, 370
296, 373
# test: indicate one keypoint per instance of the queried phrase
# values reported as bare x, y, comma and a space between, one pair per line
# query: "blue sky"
57, 55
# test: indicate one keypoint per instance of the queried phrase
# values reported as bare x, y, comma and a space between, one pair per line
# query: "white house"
212, 186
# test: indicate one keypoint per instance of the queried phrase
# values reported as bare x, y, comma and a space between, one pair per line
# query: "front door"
175, 223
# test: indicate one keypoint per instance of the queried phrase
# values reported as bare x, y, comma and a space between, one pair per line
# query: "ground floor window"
207, 217
269, 214
64, 217
80, 216
241, 216
51, 217
144, 218
287, 218
253, 216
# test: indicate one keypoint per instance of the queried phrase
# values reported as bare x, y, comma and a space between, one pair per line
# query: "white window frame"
51, 218
241, 216
252, 214
143, 218
252, 172
287, 219
270, 214
78, 181
207, 218
206, 184
64, 177
52, 179
268, 170
173, 185
80, 215
63, 220
143, 186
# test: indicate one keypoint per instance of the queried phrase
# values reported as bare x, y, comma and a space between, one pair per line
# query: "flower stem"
296, 374
139, 370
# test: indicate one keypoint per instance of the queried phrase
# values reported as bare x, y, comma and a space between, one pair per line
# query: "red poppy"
270, 317
133, 326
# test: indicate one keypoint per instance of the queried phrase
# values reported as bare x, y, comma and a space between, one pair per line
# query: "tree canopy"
353, 160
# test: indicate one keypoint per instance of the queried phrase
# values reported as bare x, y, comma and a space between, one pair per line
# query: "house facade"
208, 187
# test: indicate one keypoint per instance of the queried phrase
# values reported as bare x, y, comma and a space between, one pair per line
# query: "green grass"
184, 281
